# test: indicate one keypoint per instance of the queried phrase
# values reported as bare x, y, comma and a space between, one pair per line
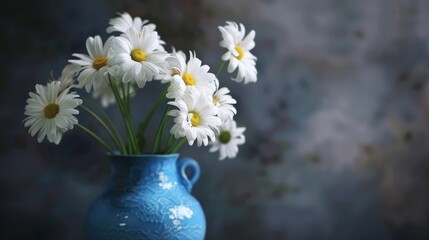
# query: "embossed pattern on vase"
145, 200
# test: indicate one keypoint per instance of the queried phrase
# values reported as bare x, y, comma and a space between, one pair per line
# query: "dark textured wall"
337, 125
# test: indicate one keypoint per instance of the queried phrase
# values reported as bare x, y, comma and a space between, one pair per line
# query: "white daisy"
228, 139
50, 111
93, 67
190, 75
68, 76
135, 57
106, 95
173, 64
239, 54
195, 118
176, 89
124, 22
223, 104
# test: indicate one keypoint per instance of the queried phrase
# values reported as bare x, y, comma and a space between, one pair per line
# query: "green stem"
96, 137
222, 64
129, 149
160, 131
109, 123
127, 108
178, 146
126, 117
155, 106
126, 96
117, 142
170, 142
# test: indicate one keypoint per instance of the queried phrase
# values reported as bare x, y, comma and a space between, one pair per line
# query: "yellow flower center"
195, 119
224, 137
51, 110
240, 52
215, 101
99, 62
188, 79
138, 55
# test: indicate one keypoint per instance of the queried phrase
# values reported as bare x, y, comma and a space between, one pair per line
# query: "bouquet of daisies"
195, 107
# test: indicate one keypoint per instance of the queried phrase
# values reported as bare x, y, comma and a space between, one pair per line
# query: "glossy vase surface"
148, 197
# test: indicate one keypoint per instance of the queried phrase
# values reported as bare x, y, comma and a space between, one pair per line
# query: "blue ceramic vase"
148, 197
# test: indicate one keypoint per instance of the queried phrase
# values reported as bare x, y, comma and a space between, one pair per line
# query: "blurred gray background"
337, 124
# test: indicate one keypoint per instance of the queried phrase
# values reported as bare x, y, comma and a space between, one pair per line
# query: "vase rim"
143, 155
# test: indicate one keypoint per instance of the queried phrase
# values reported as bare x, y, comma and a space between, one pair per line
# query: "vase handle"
188, 181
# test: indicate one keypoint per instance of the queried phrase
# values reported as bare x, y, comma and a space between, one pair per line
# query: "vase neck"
136, 168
